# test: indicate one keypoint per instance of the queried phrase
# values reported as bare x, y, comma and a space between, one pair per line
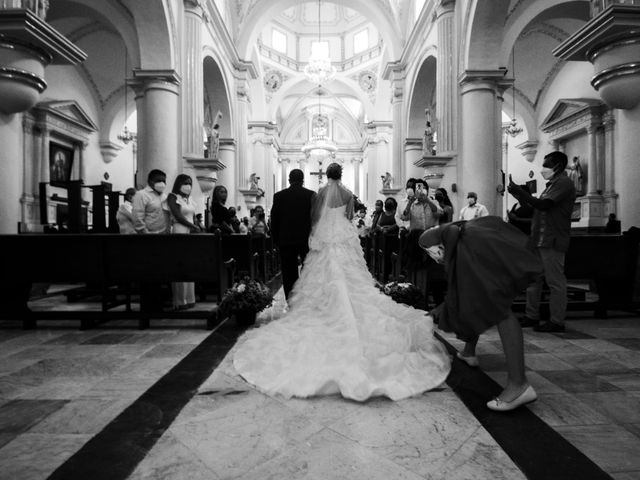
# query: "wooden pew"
386, 245
106, 260
239, 248
610, 264
259, 247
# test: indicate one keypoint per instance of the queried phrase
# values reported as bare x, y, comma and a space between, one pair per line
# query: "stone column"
261, 134
242, 137
356, 161
413, 152
284, 172
626, 176
192, 85
478, 165
157, 99
378, 161
609, 165
446, 87
592, 161
10, 172
227, 177
397, 157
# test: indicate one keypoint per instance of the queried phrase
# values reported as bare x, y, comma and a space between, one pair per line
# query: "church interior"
465, 94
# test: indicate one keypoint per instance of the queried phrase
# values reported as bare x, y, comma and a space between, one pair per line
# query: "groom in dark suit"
291, 226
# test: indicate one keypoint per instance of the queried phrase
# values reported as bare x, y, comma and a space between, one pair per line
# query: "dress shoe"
472, 361
527, 396
549, 327
528, 322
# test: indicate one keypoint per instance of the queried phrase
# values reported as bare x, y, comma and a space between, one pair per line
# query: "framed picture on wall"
60, 163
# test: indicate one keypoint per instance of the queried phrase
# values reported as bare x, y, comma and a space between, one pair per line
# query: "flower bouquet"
403, 292
245, 299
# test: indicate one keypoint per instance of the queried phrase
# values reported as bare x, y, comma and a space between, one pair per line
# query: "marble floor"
165, 403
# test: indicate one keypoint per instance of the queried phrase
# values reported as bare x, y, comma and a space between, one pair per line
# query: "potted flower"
245, 299
403, 292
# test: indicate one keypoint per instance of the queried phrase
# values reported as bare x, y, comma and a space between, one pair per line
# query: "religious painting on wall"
60, 163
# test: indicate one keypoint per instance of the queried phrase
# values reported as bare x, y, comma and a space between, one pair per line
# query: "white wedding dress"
341, 334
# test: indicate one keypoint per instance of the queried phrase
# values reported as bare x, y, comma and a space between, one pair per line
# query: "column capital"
608, 121
494, 80
194, 7
444, 7
144, 80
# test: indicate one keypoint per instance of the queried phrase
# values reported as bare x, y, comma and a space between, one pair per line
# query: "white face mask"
159, 186
546, 173
185, 189
436, 252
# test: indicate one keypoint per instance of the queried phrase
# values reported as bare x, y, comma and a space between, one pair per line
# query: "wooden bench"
609, 264
107, 260
238, 247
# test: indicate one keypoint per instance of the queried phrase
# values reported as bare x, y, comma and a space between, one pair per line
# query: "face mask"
409, 192
185, 189
439, 198
159, 186
436, 252
546, 172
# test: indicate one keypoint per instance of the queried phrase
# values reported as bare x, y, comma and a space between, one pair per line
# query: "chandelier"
126, 135
319, 147
319, 69
513, 130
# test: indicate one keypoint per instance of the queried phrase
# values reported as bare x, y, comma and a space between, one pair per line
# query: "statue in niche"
254, 185
213, 137
576, 174
427, 139
387, 180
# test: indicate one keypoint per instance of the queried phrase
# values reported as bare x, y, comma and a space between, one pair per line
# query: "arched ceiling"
385, 14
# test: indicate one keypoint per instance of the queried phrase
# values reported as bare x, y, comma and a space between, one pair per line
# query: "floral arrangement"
246, 296
403, 292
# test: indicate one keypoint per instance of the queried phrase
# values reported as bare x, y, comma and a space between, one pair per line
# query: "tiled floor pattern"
60, 386
588, 384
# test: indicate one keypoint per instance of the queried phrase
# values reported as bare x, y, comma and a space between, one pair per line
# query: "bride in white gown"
341, 334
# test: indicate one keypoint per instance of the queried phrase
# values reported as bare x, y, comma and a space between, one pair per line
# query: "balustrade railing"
598, 6
38, 7
292, 64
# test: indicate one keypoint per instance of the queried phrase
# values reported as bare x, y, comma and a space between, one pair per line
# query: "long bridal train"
341, 334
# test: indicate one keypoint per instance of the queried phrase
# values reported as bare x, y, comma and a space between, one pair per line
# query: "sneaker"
549, 327
528, 322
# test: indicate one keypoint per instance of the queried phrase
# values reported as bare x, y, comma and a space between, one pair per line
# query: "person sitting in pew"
613, 225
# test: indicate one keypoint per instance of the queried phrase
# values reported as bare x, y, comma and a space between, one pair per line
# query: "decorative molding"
109, 150
200, 163
529, 149
569, 117
547, 29
18, 75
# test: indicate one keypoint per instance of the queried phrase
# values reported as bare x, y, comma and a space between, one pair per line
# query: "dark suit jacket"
291, 215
